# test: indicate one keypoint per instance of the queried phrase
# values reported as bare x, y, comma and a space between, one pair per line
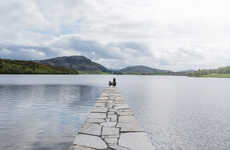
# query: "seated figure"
110, 83
114, 83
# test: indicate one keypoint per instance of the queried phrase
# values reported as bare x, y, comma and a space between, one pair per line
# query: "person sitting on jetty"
114, 83
110, 83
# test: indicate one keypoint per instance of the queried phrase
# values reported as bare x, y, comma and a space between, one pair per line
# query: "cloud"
24, 52
175, 35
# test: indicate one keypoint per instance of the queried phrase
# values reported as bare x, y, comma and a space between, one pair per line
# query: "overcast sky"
165, 34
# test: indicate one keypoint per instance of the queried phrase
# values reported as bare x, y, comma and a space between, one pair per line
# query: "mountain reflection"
42, 117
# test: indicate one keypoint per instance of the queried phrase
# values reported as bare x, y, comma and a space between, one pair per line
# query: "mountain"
187, 71
79, 63
140, 69
8, 66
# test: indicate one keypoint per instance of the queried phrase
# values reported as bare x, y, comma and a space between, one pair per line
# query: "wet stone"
100, 104
111, 140
126, 113
76, 147
91, 128
109, 124
95, 120
89, 141
127, 119
113, 117
100, 109
111, 113
122, 106
111, 131
117, 147
97, 115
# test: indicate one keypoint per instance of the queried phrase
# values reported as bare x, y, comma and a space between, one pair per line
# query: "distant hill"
79, 63
187, 71
140, 69
28, 67
75, 65
184, 72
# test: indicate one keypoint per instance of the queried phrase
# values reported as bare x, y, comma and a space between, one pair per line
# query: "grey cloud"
109, 53
25, 52
96, 50
117, 33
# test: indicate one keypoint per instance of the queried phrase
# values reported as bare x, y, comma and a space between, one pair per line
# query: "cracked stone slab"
126, 113
97, 115
111, 140
100, 109
135, 141
109, 124
128, 119
122, 106
113, 118
89, 141
76, 147
117, 147
110, 131
95, 120
111, 113
100, 104
91, 128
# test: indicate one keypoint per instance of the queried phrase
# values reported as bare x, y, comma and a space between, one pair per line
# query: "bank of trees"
28, 67
204, 72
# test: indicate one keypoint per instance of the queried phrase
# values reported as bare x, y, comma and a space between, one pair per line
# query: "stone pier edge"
111, 125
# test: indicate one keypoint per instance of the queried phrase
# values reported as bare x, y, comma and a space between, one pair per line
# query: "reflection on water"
178, 113
181, 113
42, 117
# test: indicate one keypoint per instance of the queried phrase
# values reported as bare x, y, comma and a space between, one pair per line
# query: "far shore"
214, 75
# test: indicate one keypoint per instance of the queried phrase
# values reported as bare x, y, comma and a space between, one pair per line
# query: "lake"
43, 112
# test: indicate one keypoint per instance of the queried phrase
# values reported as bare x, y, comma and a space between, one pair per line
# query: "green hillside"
28, 67
222, 72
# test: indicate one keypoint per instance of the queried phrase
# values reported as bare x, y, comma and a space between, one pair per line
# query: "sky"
165, 34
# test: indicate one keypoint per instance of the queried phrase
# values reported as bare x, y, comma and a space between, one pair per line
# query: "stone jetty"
111, 125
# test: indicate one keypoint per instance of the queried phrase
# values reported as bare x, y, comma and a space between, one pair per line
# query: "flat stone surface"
111, 125
110, 131
112, 117
91, 128
76, 147
89, 141
117, 147
127, 119
100, 104
135, 141
122, 106
126, 113
97, 115
100, 109
95, 120
111, 140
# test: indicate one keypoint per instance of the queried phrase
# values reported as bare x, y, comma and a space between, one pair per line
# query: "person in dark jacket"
114, 82
110, 83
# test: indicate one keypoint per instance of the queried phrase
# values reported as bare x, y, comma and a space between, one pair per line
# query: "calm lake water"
43, 112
